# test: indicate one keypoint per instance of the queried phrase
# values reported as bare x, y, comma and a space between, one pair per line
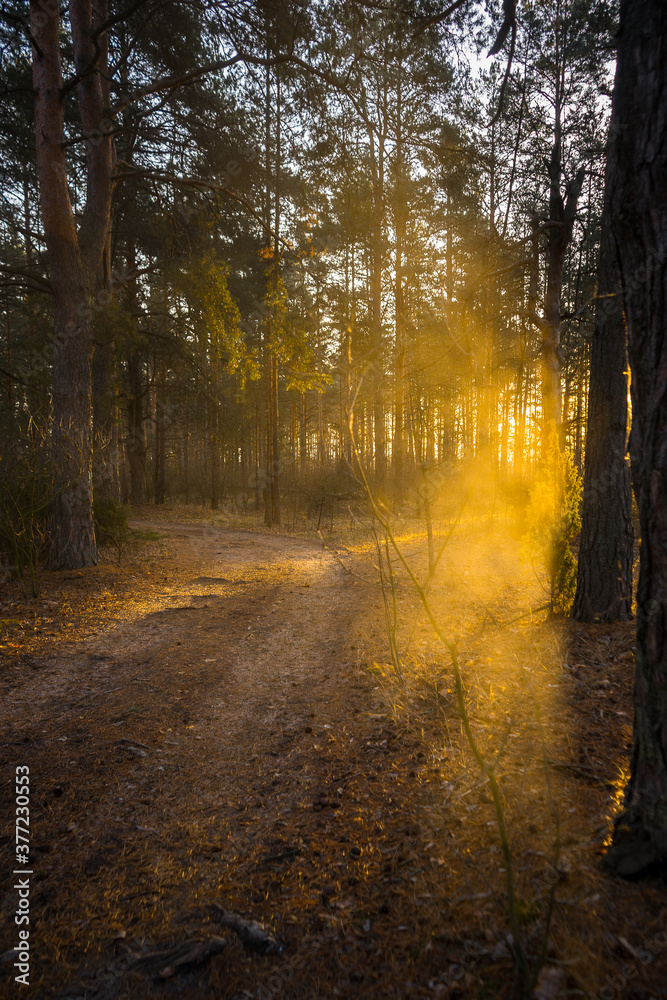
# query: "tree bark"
74, 259
400, 225
106, 466
604, 575
135, 444
562, 212
268, 419
106, 471
275, 445
302, 433
638, 205
376, 248
136, 436
159, 449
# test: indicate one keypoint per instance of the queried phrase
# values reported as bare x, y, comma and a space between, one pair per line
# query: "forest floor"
213, 725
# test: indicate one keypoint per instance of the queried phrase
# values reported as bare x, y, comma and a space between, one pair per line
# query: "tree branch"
509, 22
533, 318
439, 18
44, 283
201, 183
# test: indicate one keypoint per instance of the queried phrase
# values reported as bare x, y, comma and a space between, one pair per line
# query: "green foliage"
208, 288
290, 337
553, 522
25, 495
112, 526
277, 310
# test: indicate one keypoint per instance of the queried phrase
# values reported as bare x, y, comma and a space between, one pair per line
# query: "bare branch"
439, 18
509, 22
508, 69
533, 318
43, 283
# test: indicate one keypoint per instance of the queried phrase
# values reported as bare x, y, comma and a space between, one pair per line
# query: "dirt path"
211, 749
220, 735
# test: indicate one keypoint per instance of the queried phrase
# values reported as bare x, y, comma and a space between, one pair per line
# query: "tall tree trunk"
604, 575
258, 451
320, 432
275, 402
185, 454
214, 446
159, 450
35, 400
106, 472
74, 259
504, 434
275, 445
136, 435
302, 433
135, 442
10, 380
400, 220
268, 425
638, 206
561, 216
379, 431
271, 406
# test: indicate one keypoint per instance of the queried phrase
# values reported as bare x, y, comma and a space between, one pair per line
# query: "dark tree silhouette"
638, 205
604, 576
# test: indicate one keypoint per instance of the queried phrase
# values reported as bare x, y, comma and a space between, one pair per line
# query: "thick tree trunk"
185, 455
74, 260
604, 576
72, 537
71, 532
638, 205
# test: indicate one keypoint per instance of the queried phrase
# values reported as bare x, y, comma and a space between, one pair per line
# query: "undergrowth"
25, 496
553, 523
112, 526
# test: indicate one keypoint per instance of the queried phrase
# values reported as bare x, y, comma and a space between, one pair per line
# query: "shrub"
553, 522
111, 525
25, 495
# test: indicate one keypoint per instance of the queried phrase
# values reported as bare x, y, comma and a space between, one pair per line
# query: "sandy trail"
259, 615
166, 749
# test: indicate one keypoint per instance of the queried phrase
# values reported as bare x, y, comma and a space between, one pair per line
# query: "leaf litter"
256, 766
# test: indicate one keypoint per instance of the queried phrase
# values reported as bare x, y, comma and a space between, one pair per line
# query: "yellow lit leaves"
221, 320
